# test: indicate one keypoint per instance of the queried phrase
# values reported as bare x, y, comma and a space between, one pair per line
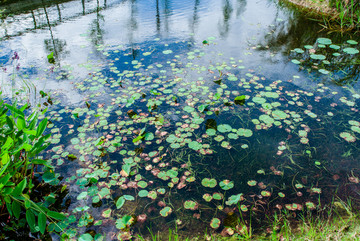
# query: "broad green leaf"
85, 237
16, 208
41, 127
126, 168
10, 123
9, 142
4, 168
21, 123
56, 215
42, 222
129, 197
5, 160
4, 179
138, 138
120, 202
19, 188
14, 110
240, 100
30, 218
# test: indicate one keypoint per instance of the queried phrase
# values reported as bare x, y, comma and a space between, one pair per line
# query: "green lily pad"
234, 199
347, 137
207, 197
217, 196
166, 211
195, 145
211, 132
317, 56
265, 193
226, 184
190, 205
325, 41
143, 193
351, 50
224, 128
215, 223
207, 182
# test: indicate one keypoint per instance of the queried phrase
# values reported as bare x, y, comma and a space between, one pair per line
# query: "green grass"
336, 15
338, 221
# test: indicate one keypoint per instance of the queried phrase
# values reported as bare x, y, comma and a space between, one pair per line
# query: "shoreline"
313, 8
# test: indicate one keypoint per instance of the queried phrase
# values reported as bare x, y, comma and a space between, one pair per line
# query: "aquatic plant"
22, 139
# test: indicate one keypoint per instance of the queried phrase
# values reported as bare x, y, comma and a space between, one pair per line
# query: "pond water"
185, 113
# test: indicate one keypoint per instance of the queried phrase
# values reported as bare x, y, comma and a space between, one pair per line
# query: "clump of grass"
348, 17
337, 15
336, 221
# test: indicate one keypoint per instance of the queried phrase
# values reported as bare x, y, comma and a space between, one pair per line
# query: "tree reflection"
53, 44
195, 18
224, 25
96, 27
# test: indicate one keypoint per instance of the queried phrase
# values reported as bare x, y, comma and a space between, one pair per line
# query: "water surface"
145, 96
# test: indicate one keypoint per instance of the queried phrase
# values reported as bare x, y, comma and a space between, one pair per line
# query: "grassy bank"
334, 15
338, 221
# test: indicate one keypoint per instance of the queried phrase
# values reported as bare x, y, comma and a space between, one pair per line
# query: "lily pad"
325, 41
207, 182
347, 137
224, 128
166, 211
190, 205
195, 145
226, 184
215, 223
351, 50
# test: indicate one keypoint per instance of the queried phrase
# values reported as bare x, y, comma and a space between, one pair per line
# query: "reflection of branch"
51, 33
227, 11
158, 22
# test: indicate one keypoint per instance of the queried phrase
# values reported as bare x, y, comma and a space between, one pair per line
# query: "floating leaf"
265, 193
215, 223
226, 184
317, 56
143, 193
167, 51
240, 100
252, 183
207, 197
81, 195
347, 137
353, 42
295, 61
325, 41
190, 205
206, 182
165, 211
211, 132
234, 199
195, 145
224, 128
351, 50
217, 196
